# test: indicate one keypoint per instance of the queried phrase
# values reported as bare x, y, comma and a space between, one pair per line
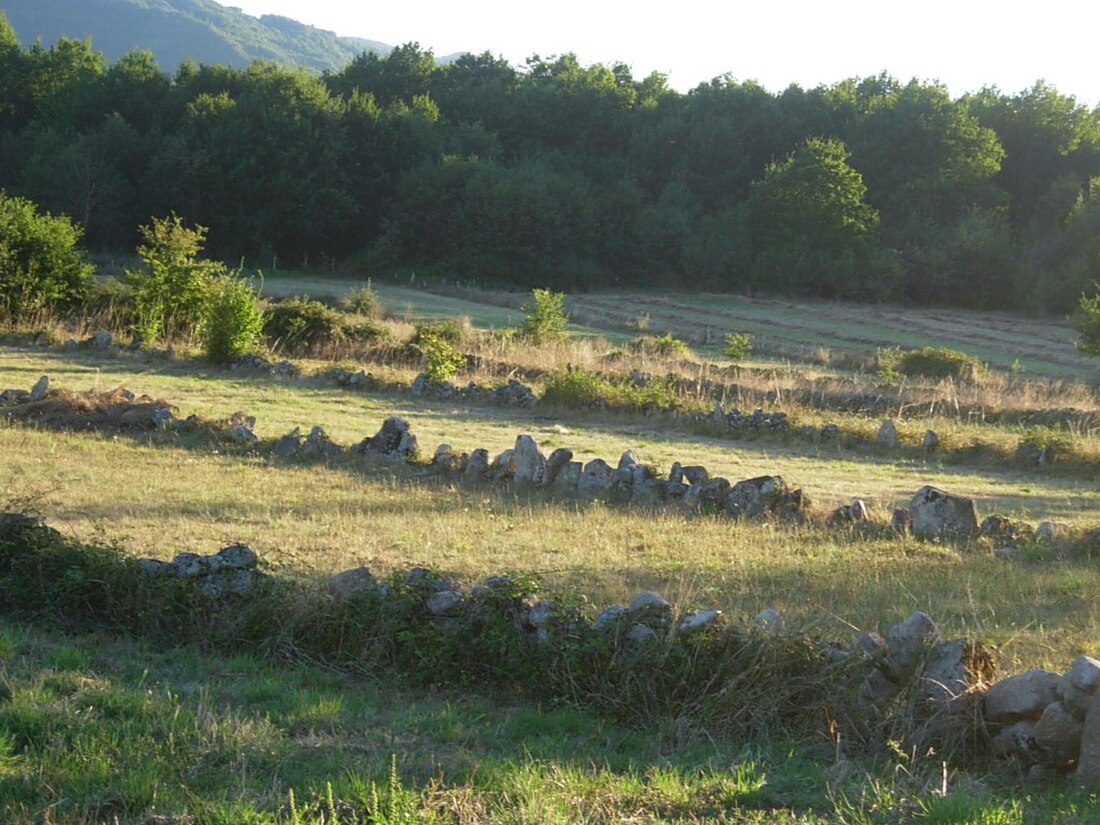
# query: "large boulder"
939, 515
708, 496
1023, 696
393, 440
529, 464
907, 643
595, 479
1088, 761
557, 460
756, 497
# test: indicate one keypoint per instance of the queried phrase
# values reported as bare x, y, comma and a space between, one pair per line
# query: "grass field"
245, 733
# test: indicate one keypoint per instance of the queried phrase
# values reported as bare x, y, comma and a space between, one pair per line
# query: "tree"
41, 266
809, 222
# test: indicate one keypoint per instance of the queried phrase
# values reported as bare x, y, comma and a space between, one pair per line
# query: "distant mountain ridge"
177, 30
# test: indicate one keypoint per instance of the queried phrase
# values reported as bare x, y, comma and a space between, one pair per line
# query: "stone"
190, 565
628, 460
769, 621
1084, 675
1016, 741
528, 461
230, 583
676, 473
649, 490
393, 440
641, 634
830, 432
756, 496
931, 441
342, 586
595, 480
939, 515
946, 674
875, 693
869, 644
676, 489
1031, 454
1058, 735
1049, 531
102, 340
695, 474
611, 619
540, 613
556, 461
697, 620
242, 434
907, 643
318, 444
161, 417
710, 496
155, 567
1088, 760
40, 388
901, 522
569, 476
1004, 531
1023, 696
237, 557
887, 434
444, 603
477, 466
503, 466
649, 608
850, 513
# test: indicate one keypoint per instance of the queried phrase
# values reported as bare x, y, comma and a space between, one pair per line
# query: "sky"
965, 44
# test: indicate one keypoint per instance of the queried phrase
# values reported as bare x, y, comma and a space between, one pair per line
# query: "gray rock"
242, 434
1023, 696
901, 522
529, 462
769, 621
850, 513
875, 693
756, 497
557, 460
887, 434
393, 440
676, 473
161, 417
695, 474
908, 642
102, 340
1088, 761
155, 567
503, 466
288, 444
540, 613
1084, 675
569, 476
190, 565
931, 441
595, 480
869, 644
649, 490
628, 460
697, 621
444, 603
939, 514
649, 608
676, 489
641, 634
946, 675
1004, 531
1049, 531
230, 583
1058, 735
710, 496
40, 388
1016, 741
611, 619
342, 586
237, 557
477, 466
830, 432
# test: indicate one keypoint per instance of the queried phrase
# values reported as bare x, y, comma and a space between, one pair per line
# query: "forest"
569, 176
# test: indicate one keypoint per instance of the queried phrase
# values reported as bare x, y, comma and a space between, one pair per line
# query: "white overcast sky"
964, 44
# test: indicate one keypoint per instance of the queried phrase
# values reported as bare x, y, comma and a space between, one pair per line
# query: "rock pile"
229, 572
776, 421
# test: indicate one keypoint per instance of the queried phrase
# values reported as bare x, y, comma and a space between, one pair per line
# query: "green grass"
98, 728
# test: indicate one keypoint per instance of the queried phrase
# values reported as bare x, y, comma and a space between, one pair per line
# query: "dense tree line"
569, 176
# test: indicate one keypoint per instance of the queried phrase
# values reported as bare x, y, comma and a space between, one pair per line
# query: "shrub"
939, 362
40, 264
234, 320
578, 387
1087, 323
441, 359
665, 346
172, 290
544, 318
299, 324
454, 331
364, 301
738, 345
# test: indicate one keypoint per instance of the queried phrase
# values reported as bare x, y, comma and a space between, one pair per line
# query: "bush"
894, 363
364, 301
454, 331
172, 290
738, 345
664, 346
40, 264
581, 388
298, 325
544, 318
234, 320
1087, 323
441, 359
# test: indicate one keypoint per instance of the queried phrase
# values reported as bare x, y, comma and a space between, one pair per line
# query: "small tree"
41, 266
1087, 323
544, 318
171, 292
441, 359
233, 321
738, 345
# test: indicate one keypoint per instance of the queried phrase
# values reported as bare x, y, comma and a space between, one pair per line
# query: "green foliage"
441, 359
1087, 323
738, 345
665, 346
234, 320
928, 362
544, 318
581, 388
172, 290
299, 324
454, 331
364, 301
41, 266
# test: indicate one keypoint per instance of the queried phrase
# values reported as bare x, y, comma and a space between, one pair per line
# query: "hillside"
175, 30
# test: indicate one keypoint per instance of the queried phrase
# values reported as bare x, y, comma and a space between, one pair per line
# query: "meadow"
246, 732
